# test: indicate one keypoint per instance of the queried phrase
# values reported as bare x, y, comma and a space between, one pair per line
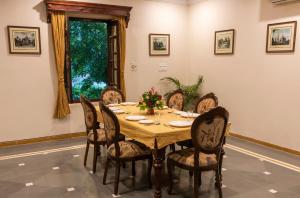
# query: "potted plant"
191, 92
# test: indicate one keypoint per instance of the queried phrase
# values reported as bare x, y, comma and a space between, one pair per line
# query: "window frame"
67, 71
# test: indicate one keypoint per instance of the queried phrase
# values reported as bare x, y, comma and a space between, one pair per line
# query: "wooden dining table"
156, 136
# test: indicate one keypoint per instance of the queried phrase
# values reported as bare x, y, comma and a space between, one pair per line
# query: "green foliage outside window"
89, 58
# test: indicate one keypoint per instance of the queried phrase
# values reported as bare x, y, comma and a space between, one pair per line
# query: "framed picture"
24, 40
281, 37
224, 42
159, 44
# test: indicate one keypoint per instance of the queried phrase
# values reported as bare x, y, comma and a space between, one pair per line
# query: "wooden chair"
207, 133
175, 100
204, 104
95, 135
112, 95
122, 151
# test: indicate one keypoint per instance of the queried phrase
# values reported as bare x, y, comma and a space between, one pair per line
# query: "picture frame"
24, 40
224, 42
281, 37
159, 44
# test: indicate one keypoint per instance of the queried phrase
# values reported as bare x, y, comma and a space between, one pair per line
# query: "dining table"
157, 135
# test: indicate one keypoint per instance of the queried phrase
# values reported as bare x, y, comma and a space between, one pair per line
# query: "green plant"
191, 92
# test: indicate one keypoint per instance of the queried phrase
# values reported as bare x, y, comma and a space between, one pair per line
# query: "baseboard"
274, 146
42, 139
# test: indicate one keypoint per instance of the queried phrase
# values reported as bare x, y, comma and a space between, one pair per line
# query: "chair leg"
218, 182
220, 187
220, 192
95, 158
86, 152
99, 150
200, 179
219, 170
123, 164
150, 161
172, 147
105, 171
133, 168
117, 177
191, 173
169, 167
196, 184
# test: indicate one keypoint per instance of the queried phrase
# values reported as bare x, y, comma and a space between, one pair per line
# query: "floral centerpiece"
150, 100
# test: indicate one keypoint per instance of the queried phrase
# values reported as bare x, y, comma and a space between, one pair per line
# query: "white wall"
28, 82
261, 91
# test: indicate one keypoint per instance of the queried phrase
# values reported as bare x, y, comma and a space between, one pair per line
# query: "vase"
150, 111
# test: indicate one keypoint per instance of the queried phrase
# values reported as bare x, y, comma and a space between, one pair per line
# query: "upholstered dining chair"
204, 104
175, 100
95, 135
112, 95
208, 134
121, 151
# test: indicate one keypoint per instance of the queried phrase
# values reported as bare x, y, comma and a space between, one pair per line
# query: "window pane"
88, 57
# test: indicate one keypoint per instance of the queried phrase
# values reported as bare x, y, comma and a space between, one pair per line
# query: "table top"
163, 133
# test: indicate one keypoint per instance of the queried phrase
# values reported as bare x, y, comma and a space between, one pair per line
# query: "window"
91, 61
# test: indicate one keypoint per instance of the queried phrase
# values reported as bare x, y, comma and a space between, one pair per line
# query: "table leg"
158, 159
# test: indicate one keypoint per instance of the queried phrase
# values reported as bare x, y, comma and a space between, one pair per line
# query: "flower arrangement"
150, 100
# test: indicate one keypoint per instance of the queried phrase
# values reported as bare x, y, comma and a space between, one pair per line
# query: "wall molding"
274, 146
42, 139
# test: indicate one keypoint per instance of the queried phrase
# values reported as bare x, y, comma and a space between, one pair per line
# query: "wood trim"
85, 7
42, 139
274, 146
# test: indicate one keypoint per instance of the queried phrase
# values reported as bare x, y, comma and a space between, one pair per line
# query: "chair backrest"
176, 100
206, 102
90, 115
111, 127
112, 95
208, 130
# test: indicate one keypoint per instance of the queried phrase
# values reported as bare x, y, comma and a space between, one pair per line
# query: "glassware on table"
190, 115
157, 118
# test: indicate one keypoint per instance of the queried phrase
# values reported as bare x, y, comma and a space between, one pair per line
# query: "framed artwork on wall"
159, 44
24, 40
224, 42
281, 37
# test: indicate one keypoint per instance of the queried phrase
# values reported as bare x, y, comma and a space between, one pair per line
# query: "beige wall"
28, 82
261, 91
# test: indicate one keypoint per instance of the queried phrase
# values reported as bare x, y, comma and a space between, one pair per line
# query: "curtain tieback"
61, 79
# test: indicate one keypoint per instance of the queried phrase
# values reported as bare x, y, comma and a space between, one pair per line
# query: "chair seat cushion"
101, 136
186, 157
129, 149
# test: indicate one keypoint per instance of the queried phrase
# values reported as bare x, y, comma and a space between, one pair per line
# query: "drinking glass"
157, 117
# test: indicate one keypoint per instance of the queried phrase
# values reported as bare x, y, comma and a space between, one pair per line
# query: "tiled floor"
60, 173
